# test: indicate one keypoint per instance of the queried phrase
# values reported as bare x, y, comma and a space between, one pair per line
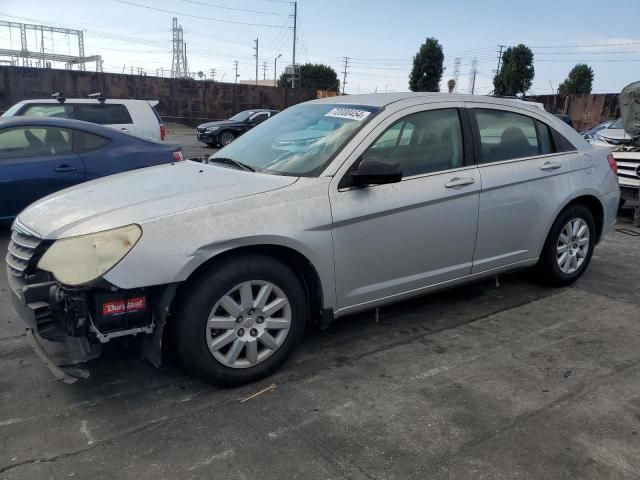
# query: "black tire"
549, 270
200, 296
226, 137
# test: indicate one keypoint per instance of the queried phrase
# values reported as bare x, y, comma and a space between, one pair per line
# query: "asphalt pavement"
500, 379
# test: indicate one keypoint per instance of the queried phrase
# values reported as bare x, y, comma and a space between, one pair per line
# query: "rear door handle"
65, 168
125, 130
551, 166
459, 182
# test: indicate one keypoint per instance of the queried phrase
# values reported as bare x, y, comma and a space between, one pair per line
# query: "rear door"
113, 115
34, 162
524, 181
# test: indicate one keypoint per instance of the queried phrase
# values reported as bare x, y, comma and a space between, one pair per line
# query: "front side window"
300, 141
24, 142
422, 142
259, 118
506, 135
48, 110
103, 114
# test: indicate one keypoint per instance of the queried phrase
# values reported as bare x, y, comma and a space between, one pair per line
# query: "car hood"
630, 108
221, 123
138, 196
614, 134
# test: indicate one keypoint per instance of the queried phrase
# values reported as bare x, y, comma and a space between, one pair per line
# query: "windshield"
617, 124
300, 141
242, 116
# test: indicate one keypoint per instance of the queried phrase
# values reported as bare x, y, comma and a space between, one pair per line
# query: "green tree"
580, 80
313, 75
516, 72
427, 67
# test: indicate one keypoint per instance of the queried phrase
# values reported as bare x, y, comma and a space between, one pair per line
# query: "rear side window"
155, 112
103, 114
48, 110
506, 135
87, 142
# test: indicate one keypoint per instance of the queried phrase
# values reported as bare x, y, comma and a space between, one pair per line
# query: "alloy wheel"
573, 246
248, 324
226, 138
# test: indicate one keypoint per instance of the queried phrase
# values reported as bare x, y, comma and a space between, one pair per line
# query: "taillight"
162, 132
612, 163
178, 156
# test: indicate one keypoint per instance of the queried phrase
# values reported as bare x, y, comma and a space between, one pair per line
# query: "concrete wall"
586, 111
188, 100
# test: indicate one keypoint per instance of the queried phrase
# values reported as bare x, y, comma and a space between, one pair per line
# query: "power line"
212, 19
232, 8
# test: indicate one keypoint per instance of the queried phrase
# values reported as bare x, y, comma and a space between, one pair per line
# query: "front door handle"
65, 168
125, 130
551, 166
459, 182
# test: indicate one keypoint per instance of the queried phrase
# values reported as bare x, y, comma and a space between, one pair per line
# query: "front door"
393, 240
34, 162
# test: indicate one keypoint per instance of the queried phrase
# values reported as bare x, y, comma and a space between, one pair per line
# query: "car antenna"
59, 97
98, 96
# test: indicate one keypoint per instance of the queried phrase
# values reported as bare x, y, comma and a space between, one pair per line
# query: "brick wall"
586, 111
188, 100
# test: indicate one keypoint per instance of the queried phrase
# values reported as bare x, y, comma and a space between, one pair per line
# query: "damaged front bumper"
68, 327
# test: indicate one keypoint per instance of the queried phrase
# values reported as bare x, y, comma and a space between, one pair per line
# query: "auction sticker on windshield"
348, 113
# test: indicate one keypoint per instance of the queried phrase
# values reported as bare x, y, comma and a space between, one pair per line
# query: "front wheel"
569, 246
226, 138
239, 321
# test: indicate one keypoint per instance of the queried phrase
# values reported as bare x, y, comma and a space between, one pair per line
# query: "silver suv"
332, 207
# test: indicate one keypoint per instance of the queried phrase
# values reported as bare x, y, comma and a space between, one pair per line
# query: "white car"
137, 117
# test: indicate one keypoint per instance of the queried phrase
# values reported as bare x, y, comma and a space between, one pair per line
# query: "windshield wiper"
231, 161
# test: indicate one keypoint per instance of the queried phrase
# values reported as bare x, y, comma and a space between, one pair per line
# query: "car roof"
114, 101
6, 122
382, 100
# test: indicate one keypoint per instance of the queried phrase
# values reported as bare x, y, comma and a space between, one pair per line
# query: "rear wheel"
241, 320
569, 246
226, 138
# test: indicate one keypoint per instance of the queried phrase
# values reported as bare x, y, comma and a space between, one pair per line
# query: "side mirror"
376, 172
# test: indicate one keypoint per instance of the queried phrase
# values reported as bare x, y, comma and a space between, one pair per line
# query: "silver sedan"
330, 207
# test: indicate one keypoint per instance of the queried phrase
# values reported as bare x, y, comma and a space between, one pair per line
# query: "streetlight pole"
275, 70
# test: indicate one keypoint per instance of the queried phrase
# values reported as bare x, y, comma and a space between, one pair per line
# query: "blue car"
39, 156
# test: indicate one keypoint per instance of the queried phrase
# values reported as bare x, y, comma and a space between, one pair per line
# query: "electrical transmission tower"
179, 67
456, 72
472, 75
43, 58
257, 59
264, 70
344, 73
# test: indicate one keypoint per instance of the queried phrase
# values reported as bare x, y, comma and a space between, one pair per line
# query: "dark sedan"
226, 131
39, 156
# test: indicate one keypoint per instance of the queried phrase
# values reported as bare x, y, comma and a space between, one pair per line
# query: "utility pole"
344, 74
295, 29
256, 55
499, 57
275, 70
456, 72
213, 74
472, 75
236, 64
264, 70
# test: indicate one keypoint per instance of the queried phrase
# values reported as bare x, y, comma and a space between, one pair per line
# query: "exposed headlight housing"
79, 260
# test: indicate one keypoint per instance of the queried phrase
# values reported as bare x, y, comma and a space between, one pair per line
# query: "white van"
137, 117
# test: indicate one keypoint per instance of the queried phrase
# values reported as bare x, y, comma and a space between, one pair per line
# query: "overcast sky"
381, 37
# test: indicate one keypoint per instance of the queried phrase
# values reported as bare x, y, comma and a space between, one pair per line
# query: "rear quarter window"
87, 142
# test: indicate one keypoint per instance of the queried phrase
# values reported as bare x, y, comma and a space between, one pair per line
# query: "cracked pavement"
483, 381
